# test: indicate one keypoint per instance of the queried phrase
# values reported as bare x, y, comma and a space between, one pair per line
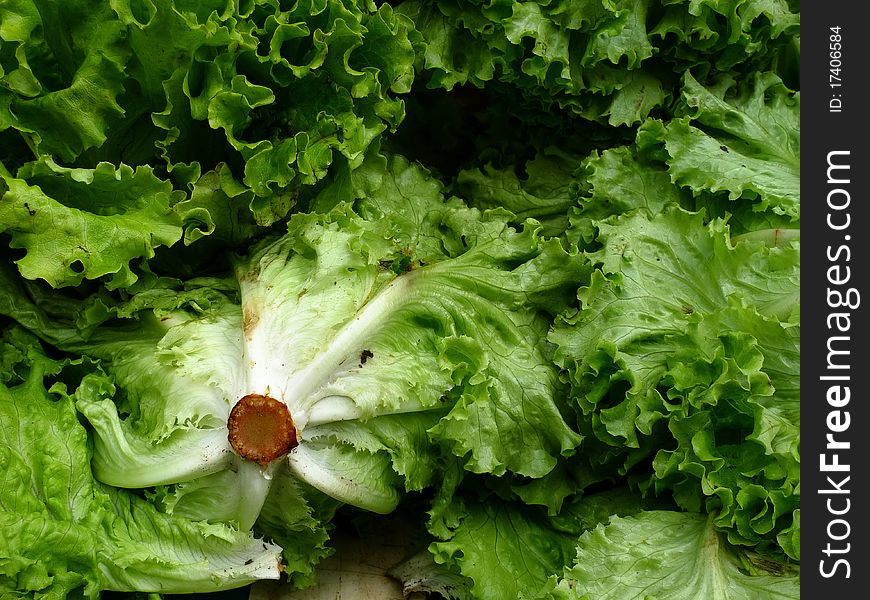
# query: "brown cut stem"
261, 429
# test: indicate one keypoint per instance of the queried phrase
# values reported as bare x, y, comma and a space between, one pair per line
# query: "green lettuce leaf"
617, 181
77, 224
614, 62
507, 551
271, 96
725, 35
742, 140
501, 548
686, 335
61, 75
665, 554
545, 193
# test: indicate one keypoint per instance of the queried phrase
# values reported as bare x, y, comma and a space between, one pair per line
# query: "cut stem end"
261, 429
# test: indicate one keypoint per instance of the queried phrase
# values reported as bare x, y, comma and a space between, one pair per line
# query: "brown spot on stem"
261, 429
250, 318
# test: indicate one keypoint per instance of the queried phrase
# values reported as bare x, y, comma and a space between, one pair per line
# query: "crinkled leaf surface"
506, 551
742, 140
680, 327
666, 554
503, 549
610, 61
86, 223
544, 194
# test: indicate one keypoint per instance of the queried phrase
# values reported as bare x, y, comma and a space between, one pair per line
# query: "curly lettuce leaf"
725, 36
61, 74
543, 192
283, 91
507, 551
77, 224
686, 335
614, 62
742, 140
496, 547
275, 94
617, 181
665, 554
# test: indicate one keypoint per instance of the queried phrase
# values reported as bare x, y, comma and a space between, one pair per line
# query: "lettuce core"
261, 429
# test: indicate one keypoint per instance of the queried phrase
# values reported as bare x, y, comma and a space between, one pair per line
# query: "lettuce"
110, 217
162, 99
63, 533
524, 271
714, 366
666, 554
385, 339
610, 61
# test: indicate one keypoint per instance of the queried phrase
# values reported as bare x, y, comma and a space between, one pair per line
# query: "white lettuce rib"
328, 410
133, 463
254, 485
297, 389
317, 470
